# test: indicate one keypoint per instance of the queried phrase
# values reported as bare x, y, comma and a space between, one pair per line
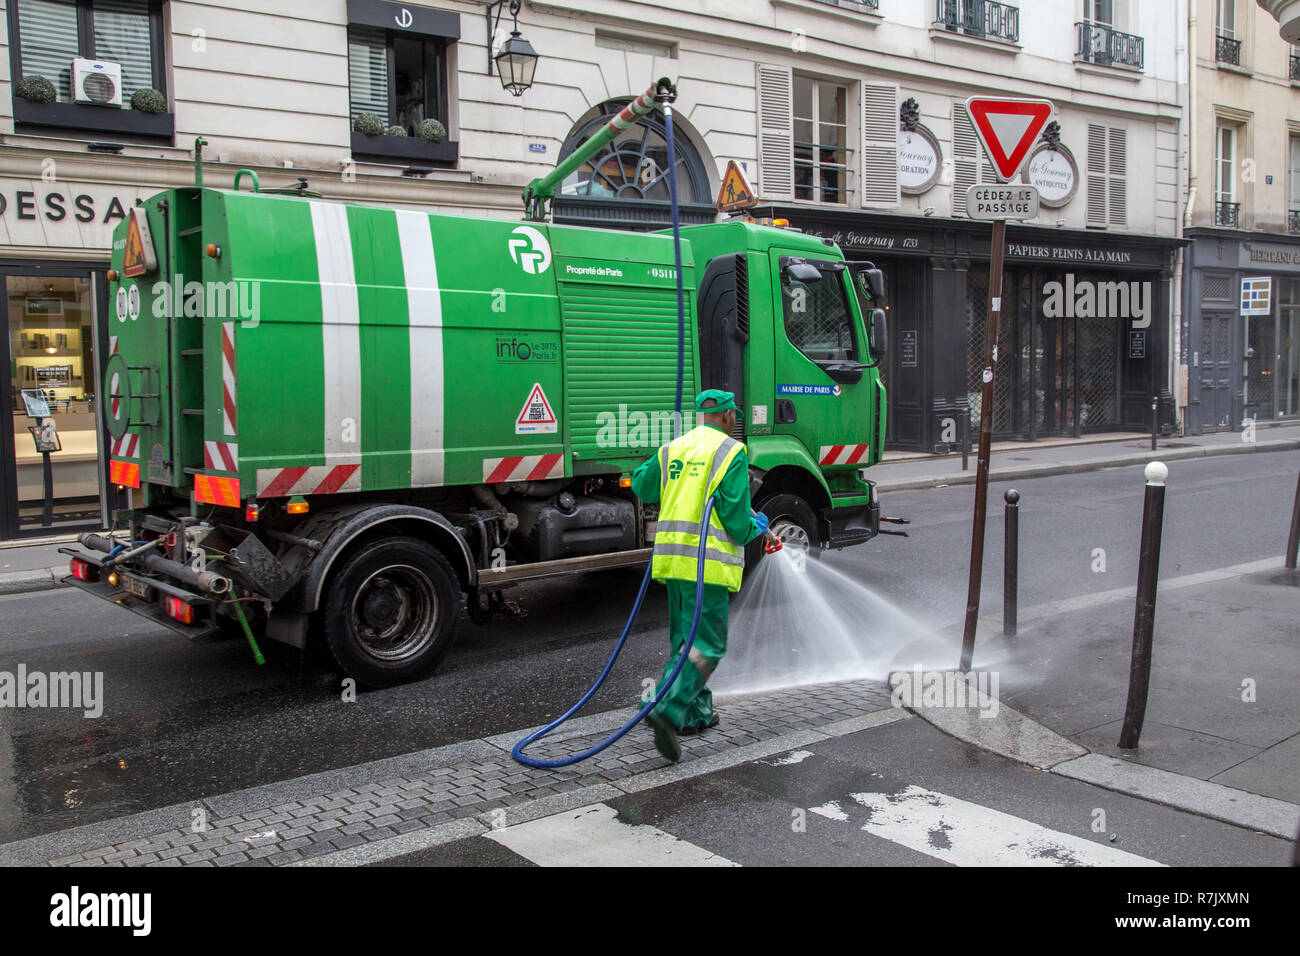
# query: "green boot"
666, 741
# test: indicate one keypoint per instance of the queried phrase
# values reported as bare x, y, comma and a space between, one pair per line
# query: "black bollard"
1011, 563
1155, 420
1293, 542
1144, 618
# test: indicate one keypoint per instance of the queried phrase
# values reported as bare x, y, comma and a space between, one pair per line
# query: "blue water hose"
518, 752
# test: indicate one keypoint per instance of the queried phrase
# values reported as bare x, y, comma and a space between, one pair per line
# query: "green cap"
726, 401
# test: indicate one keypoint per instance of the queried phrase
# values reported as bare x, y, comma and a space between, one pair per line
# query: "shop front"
1083, 342
54, 246
1242, 341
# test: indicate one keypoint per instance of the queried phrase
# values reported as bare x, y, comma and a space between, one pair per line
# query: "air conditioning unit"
97, 81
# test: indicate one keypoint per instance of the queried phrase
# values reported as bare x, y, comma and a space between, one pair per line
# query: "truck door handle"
785, 413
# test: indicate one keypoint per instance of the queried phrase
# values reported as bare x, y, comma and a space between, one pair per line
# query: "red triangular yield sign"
1008, 129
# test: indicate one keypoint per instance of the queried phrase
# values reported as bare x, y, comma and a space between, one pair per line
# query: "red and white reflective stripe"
843, 454
221, 456
523, 468
114, 382
228, 377
317, 480
126, 447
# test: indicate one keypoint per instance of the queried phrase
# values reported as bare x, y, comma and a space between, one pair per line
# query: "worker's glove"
761, 520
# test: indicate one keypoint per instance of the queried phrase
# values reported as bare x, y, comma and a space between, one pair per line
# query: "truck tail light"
252, 510
180, 610
83, 570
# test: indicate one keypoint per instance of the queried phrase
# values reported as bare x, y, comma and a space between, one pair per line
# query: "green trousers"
689, 703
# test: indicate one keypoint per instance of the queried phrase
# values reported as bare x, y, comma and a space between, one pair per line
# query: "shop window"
48, 35
403, 79
51, 343
817, 318
1107, 176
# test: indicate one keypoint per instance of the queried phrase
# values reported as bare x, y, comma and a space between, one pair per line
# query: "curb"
1014, 736
1087, 464
39, 579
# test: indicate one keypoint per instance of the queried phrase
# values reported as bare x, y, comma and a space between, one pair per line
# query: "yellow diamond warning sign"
139, 257
735, 192
536, 417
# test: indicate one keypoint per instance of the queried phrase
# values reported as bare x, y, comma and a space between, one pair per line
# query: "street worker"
680, 477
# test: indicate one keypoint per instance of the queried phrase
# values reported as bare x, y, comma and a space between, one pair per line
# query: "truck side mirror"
879, 334
872, 282
803, 271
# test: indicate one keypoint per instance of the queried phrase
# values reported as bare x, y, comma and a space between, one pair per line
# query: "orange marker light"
625, 482
779, 223
112, 275
213, 250
297, 505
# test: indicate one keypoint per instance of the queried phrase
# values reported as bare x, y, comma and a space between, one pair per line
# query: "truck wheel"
391, 612
793, 522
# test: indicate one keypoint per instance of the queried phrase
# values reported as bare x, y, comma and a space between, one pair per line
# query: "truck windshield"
817, 318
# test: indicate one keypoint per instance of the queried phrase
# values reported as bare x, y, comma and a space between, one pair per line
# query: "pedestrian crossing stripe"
953, 831
594, 836
536, 417
967, 834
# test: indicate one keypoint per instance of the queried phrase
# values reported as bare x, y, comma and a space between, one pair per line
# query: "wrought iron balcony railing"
981, 18
1227, 214
1102, 44
1293, 222
1227, 50
1295, 67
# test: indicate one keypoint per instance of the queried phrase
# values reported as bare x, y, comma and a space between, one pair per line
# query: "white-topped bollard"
1144, 617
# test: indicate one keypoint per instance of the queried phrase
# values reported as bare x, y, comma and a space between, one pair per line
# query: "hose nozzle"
772, 546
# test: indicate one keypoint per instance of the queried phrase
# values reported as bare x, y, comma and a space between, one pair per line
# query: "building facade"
1242, 342
846, 114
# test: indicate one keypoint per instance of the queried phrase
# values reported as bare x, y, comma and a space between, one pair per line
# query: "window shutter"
1118, 175
965, 157
122, 36
47, 41
880, 180
775, 132
368, 71
1096, 175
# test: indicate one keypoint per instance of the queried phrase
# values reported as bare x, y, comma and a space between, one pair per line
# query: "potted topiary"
368, 124
432, 131
146, 100
373, 138
36, 89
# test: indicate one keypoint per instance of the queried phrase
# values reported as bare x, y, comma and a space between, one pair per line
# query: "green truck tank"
336, 422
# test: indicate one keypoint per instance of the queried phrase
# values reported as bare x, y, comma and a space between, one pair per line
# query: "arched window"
625, 186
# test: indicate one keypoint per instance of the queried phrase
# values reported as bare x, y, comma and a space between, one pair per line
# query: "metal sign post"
1008, 129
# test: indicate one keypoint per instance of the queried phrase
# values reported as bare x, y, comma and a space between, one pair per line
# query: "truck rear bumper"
150, 610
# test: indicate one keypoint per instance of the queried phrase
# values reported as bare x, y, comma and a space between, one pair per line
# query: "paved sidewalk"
341, 817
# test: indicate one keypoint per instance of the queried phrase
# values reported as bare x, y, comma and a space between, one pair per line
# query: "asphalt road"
183, 720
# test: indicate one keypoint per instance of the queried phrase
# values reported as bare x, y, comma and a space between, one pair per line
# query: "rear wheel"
792, 520
391, 611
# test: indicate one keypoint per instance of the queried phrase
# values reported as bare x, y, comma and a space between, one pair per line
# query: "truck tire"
792, 520
391, 611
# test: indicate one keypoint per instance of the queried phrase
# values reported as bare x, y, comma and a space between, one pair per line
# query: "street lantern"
516, 60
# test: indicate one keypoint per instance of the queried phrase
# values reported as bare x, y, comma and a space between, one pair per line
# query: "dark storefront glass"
1058, 374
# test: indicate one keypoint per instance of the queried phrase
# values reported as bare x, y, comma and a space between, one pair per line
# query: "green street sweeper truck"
339, 423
